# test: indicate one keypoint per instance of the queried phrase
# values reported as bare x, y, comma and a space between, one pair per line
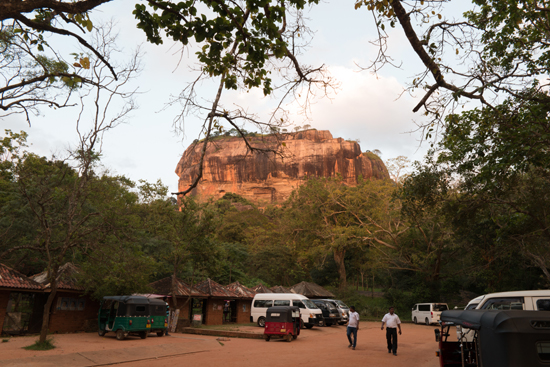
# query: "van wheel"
261, 322
415, 321
101, 332
308, 326
143, 334
301, 324
427, 322
120, 334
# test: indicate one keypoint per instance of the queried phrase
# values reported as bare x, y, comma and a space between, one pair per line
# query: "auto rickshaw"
132, 315
500, 338
283, 322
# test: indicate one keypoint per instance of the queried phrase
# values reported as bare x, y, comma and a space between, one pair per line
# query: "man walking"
392, 324
353, 326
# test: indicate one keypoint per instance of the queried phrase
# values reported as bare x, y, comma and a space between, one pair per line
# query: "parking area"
319, 346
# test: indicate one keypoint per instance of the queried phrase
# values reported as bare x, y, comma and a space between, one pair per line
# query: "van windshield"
341, 304
309, 304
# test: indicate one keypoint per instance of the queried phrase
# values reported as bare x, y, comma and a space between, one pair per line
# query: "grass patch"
5, 340
45, 345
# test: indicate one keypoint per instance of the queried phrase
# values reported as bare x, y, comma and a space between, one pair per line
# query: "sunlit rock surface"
268, 177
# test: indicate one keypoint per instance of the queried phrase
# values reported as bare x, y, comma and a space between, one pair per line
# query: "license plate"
283, 330
148, 326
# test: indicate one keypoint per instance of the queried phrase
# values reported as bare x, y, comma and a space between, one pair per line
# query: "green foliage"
235, 40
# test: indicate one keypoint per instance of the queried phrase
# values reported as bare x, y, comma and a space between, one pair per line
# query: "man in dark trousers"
353, 326
392, 324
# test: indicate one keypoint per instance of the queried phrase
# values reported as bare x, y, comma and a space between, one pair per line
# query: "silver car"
343, 309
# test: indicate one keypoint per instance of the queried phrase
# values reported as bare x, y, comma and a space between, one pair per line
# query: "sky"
366, 107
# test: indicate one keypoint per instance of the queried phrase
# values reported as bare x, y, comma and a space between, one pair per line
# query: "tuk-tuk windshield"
309, 304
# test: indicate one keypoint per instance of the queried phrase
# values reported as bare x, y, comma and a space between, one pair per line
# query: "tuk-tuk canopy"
129, 305
509, 338
281, 313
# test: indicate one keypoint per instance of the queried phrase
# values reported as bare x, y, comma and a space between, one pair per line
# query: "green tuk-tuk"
132, 315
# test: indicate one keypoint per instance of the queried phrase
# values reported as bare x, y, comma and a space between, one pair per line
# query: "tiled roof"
241, 290
214, 289
66, 278
260, 288
164, 286
280, 289
10, 278
311, 290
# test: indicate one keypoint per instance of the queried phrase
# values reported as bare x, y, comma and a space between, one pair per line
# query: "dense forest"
429, 235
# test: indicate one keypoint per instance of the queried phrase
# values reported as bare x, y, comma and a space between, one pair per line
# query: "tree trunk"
48, 306
339, 256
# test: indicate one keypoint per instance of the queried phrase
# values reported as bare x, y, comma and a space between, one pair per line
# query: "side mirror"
437, 335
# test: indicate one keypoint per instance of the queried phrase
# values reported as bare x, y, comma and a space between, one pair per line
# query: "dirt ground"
326, 346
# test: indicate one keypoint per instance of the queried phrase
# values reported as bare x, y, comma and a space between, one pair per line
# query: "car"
311, 315
343, 309
428, 313
331, 314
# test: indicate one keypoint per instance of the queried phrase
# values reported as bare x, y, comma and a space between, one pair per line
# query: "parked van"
428, 313
517, 300
311, 315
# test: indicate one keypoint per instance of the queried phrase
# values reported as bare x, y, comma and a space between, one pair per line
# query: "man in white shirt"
392, 324
353, 326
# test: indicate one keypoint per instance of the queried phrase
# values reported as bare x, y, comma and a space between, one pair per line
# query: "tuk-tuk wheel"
427, 321
143, 334
415, 320
267, 337
289, 337
294, 337
261, 322
120, 334
101, 332
160, 333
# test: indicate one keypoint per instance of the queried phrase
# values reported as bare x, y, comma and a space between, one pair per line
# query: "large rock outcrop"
268, 177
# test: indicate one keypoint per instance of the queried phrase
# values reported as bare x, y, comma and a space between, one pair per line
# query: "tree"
57, 194
498, 50
33, 73
242, 45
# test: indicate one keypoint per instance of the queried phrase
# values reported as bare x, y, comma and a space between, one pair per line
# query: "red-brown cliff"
269, 178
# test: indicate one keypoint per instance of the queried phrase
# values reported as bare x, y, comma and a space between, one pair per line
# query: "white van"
310, 313
517, 300
428, 313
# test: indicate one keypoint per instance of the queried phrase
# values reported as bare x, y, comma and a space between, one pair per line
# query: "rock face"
270, 178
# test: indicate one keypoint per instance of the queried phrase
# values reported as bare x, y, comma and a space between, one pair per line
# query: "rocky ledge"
268, 177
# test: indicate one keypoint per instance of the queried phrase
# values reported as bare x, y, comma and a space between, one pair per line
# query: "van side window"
423, 307
281, 303
543, 304
300, 304
440, 307
512, 303
263, 303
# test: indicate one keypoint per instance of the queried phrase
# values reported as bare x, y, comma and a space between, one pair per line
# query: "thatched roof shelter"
244, 292
260, 288
311, 290
182, 289
280, 289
